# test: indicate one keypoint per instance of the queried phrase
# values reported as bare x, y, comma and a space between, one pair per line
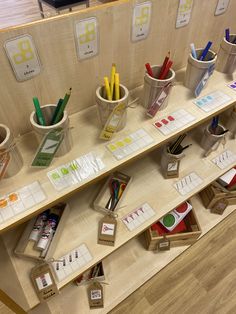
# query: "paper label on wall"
23, 57
141, 20
87, 36
184, 13
221, 7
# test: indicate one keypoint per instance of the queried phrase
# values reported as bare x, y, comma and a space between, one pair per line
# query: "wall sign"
221, 7
23, 57
141, 20
184, 13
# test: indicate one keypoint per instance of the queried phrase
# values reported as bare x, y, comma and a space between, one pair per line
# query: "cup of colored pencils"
109, 95
158, 79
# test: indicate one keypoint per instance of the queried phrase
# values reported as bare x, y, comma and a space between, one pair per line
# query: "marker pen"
48, 231
38, 226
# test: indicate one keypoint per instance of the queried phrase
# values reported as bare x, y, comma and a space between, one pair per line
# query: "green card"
48, 148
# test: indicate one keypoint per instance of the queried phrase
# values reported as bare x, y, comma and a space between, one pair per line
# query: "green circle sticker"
169, 220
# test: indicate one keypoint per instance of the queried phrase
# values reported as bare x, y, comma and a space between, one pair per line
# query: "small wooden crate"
86, 276
25, 248
179, 239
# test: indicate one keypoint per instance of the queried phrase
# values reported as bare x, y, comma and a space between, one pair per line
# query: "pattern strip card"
225, 159
188, 183
212, 101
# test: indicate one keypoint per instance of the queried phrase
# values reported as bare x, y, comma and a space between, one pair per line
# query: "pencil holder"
10, 158
153, 86
231, 124
41, 130
170, 163
211, 141
105, 106
226, 61
196, 68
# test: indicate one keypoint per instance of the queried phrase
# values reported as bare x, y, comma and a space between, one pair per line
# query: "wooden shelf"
148, 185
85, 135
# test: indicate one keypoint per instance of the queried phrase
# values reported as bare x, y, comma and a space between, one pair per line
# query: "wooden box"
25, 248
104, 195
88, 275
178, 239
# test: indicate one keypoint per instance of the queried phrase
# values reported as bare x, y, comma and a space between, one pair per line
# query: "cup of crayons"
199, 61
226, 61
52, 117
109, 96
158, 81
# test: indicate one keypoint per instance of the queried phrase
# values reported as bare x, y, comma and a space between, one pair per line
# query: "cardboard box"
104, 195
26, 248
187, 237
88, 275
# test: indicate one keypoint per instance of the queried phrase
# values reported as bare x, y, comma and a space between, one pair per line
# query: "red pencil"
149, 69
165, 72
164, 65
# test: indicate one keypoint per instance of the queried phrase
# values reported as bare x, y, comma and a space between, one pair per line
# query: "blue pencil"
205, 51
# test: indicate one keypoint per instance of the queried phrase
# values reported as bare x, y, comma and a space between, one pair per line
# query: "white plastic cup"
153, 86
226, 61
41, 130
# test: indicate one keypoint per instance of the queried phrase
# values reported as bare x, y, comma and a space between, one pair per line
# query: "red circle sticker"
182, 208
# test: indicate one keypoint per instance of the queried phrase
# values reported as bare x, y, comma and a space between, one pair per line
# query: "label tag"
221, 7
4, 162
141, 20
95, 295
44, 282
173, 168
48, 148
113, 122
219, 207
204, 80
158, 102
163, 244
184, 13
107, 231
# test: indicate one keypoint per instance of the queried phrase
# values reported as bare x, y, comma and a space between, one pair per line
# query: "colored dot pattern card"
75, 171
212, 101
131, 143
71, 262
232, 85
175, 121
225, 159
188, 183
17, 202
138, 216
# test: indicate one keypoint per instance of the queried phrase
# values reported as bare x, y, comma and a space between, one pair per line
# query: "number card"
87, 35
23, 57
141, 20
221, 7
184, 13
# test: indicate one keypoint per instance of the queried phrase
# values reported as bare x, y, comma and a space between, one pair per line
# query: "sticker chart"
19, 201
130, 144
174, 121
75, 171
212, 101
188, 183
138, 216
71, 262
232, 85
225, 159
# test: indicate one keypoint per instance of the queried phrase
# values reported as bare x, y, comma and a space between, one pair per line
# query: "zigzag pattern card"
225, 159
212, 101
75, 171
138, 216
174, 121
131, 143
232, 85
19, 201
188, 183
71, 262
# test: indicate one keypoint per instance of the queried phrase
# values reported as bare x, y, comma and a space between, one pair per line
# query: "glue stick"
48, 231
38, 226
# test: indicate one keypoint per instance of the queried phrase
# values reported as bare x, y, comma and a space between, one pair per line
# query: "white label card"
141, 20
184, 13
221, 7
23, 57
87, 34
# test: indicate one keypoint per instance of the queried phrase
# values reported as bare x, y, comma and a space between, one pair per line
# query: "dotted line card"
212, 101
225, 159
71, 262
17, 202
138, 216
131, 143
75, 171
188, 183
174, 121
232, 85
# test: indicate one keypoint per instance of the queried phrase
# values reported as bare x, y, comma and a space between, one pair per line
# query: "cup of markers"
199, 62
52, 117
226, 61
158, 81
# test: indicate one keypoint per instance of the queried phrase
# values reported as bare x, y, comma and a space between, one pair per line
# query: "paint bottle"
48, 231
38, 226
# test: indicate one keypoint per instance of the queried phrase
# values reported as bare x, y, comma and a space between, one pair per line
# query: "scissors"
116, 190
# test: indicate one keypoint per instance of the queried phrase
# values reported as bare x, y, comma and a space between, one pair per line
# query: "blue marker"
205, 51
227, 35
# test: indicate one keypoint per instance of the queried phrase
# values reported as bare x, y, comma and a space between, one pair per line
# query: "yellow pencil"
117, 86
107, 87
113, 71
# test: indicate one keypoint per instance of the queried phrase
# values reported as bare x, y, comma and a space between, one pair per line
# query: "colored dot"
119, 144
182, 208
169, 220
112, 147
127, 140
158, 124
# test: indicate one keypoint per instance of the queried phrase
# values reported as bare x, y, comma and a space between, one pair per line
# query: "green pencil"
60, 101
38, 110
62, 107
